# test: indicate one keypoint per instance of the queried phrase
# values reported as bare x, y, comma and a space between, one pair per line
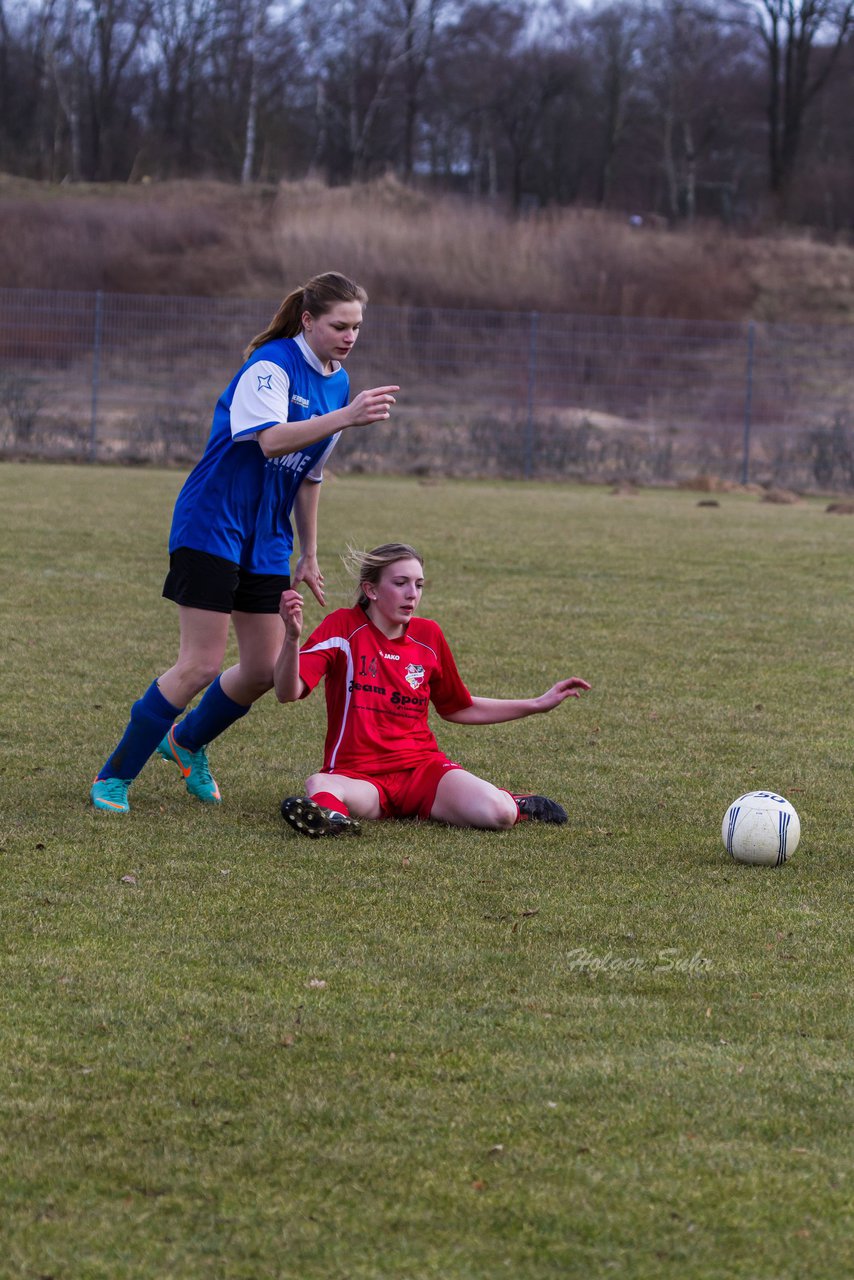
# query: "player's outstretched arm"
497, 710
286, 677
373, 405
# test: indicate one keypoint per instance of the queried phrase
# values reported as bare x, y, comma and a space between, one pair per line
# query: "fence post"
532, 382
748, 406
96, 375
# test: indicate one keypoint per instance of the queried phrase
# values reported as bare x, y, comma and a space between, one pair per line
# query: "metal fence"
115, 377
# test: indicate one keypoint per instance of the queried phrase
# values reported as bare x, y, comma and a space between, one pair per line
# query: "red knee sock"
329, 801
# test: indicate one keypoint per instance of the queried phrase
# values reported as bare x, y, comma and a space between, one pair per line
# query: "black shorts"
202, 581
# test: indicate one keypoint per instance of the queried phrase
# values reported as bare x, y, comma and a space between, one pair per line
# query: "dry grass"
210, 239
800, 278
457, 253
203, 239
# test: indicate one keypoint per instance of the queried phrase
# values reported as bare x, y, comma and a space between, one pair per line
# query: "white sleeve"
260, 399
316, 473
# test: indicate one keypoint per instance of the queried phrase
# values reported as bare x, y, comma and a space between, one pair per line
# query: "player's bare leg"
359, 796
259, 639
204, 636
464, 800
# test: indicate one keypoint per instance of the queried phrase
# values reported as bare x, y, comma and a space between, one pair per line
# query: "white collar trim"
311, 358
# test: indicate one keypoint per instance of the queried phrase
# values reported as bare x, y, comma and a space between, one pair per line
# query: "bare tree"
5, 43
692, 64
802, 40
257, 20
66, 51
419, 27
533, 82
475, 52
678, 47
359, 48
116, 28
180, 32
612, 45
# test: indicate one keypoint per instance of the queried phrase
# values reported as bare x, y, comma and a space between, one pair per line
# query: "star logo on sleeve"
265, 381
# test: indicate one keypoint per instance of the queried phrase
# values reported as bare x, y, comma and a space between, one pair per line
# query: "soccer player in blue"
231, 540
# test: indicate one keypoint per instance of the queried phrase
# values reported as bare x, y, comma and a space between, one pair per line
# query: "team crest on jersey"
414, 676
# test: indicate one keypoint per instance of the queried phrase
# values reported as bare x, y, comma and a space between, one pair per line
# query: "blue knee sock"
211, 717
150, 718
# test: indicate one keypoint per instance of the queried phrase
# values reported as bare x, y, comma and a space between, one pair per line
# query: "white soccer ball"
761, 828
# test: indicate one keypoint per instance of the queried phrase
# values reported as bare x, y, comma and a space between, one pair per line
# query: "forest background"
490, 155
738, 110
648, 163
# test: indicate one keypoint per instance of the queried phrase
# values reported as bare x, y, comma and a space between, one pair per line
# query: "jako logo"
392, 657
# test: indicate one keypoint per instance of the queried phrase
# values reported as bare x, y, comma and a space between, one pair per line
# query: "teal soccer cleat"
198, 778
110, 795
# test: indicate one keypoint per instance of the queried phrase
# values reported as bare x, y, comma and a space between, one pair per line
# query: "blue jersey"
236, 503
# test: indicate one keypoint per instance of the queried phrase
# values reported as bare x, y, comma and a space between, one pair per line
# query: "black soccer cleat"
310, 819
540, 809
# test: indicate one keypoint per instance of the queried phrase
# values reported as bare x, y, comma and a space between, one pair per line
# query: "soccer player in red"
383, 667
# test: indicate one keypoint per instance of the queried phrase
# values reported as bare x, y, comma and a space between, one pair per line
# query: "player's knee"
317, 782
509, 814
256, 682
197, 672
500, 811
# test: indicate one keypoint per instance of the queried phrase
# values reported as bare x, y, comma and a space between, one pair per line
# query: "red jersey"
378, 690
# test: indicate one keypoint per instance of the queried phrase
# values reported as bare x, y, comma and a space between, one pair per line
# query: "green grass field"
603, 1049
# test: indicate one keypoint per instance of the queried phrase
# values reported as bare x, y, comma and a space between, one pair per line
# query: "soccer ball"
761, 828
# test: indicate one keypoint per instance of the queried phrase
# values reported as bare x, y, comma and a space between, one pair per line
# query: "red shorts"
410, 793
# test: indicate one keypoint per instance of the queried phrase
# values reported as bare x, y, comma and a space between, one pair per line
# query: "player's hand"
308, 571
290, 611
572, 687
371, 406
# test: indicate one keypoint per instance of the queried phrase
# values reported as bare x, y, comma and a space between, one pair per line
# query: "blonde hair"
317, 297
367, 566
